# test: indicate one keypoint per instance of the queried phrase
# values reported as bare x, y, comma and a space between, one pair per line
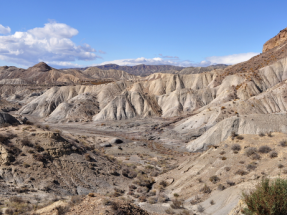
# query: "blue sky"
90, 32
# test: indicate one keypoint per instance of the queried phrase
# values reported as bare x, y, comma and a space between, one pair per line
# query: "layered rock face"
276, 41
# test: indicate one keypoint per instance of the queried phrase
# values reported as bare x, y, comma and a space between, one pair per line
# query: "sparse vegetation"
261, 134
177, 203
221, 187
251, 166
241, 172
269, 197
200, 209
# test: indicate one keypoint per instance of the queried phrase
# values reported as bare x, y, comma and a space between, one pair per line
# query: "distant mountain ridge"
146, 70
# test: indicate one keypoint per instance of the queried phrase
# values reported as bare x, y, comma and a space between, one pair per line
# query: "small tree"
269, 197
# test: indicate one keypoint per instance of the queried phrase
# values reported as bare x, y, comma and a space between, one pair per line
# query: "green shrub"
269, 197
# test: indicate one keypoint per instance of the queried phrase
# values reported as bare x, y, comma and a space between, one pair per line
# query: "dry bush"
184, 212
280, 166
255, 156
230, 183
222, 152
261, 134
152, 200
264, 149
163, 183
212, 202
273, 154
251, 166
250, 151
233, 135
242, 162
195, 201
129, 172
214, 179
227, 168
142, 199
169, 211
269, 134
235, 147
61, 210
239, 137
26, 142
223, 158
205, 189
177, 203
283, 143
221, 187
241, 172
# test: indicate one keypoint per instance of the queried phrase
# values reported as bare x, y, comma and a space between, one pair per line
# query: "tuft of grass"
241, 172
221, 187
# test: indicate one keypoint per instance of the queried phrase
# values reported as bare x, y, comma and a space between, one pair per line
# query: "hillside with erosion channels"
142, 139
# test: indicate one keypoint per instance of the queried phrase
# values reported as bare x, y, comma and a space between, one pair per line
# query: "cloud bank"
170, 60
50, 43
4, 30
229, 59
148, 61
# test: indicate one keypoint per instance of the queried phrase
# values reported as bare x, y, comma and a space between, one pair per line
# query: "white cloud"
50, 43
228, 59
148, 61
174, 60
4, 30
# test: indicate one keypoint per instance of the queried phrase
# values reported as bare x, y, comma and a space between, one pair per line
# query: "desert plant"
280, 166
250, 151
269, 134
223, 158
239, 137
88, 157
230, 183
177, 203
195, 201
222, 152
233, 135
251, 166
212, 202
176, 195
273, 154
221, 187
26, 142
261, 134
129, 172
235, 147
169, 211
214, 179
269, 197
227, 168
184, 212
241, 172
255, 156
205, 189
163, 183
283, 143
264, 149
142, 199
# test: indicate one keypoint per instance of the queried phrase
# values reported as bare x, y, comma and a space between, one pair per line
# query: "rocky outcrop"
276, 41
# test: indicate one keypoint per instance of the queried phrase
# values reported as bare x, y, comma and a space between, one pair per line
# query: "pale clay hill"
203, 135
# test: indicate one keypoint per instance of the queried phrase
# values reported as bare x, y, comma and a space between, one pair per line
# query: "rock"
275, 41
6, 118
116, 141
